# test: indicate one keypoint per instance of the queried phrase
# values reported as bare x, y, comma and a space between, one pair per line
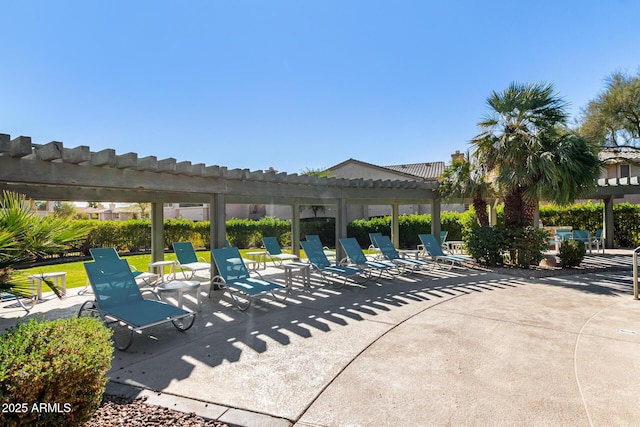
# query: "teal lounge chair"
189, 262
315, 238
275, 253
321, 264
434, 251
121, 306
443, 239
584, 237
110, 255
390, 253
598, 240
356, 257
233, 275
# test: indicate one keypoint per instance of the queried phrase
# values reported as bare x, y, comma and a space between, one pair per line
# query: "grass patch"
77, 277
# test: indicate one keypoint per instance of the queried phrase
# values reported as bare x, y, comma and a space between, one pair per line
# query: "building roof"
427, 171
618, 155
423, 171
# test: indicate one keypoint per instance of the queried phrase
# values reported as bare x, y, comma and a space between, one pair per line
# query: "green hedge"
136, 234
588, 216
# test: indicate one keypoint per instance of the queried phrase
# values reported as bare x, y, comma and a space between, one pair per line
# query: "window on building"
624, 171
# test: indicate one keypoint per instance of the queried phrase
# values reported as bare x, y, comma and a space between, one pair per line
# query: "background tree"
320, 173
64, 210
525, 143
613, 117
143, 208
463, 179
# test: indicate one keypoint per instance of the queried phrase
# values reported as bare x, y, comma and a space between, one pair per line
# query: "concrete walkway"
462, 347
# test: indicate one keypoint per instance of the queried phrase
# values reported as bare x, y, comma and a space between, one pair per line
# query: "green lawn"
77, 277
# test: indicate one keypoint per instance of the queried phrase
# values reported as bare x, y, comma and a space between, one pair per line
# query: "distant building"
621, 163
113, 212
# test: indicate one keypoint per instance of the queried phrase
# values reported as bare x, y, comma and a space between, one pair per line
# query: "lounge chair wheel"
337, 284
88, 309
444, 264
240, 299
363, 278
27, 303
281, 295
122, 334
184, 323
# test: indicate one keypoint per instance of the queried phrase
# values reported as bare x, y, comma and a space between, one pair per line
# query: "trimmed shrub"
486, 245
178, 230
526, 245
571, 253
136, 234
59, 366
325, 228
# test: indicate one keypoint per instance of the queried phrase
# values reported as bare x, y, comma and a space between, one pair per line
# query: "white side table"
60, 278
257, 256
158, 269
179, 287
303, 268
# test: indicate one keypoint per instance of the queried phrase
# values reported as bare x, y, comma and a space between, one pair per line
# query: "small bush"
486, 244
526, 245
58, 366
571, 253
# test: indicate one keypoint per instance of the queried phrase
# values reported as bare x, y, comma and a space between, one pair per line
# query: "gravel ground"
119, 412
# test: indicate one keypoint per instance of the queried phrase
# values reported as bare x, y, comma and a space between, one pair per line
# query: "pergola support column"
395, 225
607, 222
435, 218
217, 227
295, 229
341, 227
218, 224
157, 232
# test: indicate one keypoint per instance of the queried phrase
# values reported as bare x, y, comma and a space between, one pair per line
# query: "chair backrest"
373, 237
227, 243
313, 238
562, 234
104, 254
386, 247
598, 234
315, 253
230, 264
185, 252
353, 250
113, 283
271, 245
431, 244
581, 235
443, 237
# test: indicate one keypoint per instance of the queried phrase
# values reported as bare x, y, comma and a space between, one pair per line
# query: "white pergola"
52, 172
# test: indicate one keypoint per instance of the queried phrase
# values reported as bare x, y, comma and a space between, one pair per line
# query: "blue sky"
294, 85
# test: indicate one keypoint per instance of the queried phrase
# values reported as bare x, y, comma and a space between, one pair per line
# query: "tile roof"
427, 171
610, 155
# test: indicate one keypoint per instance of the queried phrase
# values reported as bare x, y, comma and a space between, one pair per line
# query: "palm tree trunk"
480, 206
518, 211
513, 208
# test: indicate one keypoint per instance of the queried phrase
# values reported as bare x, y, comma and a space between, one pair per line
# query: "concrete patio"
459, 347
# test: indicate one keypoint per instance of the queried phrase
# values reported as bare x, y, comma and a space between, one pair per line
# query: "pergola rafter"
52, 172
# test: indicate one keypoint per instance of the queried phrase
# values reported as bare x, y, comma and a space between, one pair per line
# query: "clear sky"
297, 84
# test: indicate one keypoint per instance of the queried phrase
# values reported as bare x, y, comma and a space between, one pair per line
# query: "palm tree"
525, 142
24, 236
462, 179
